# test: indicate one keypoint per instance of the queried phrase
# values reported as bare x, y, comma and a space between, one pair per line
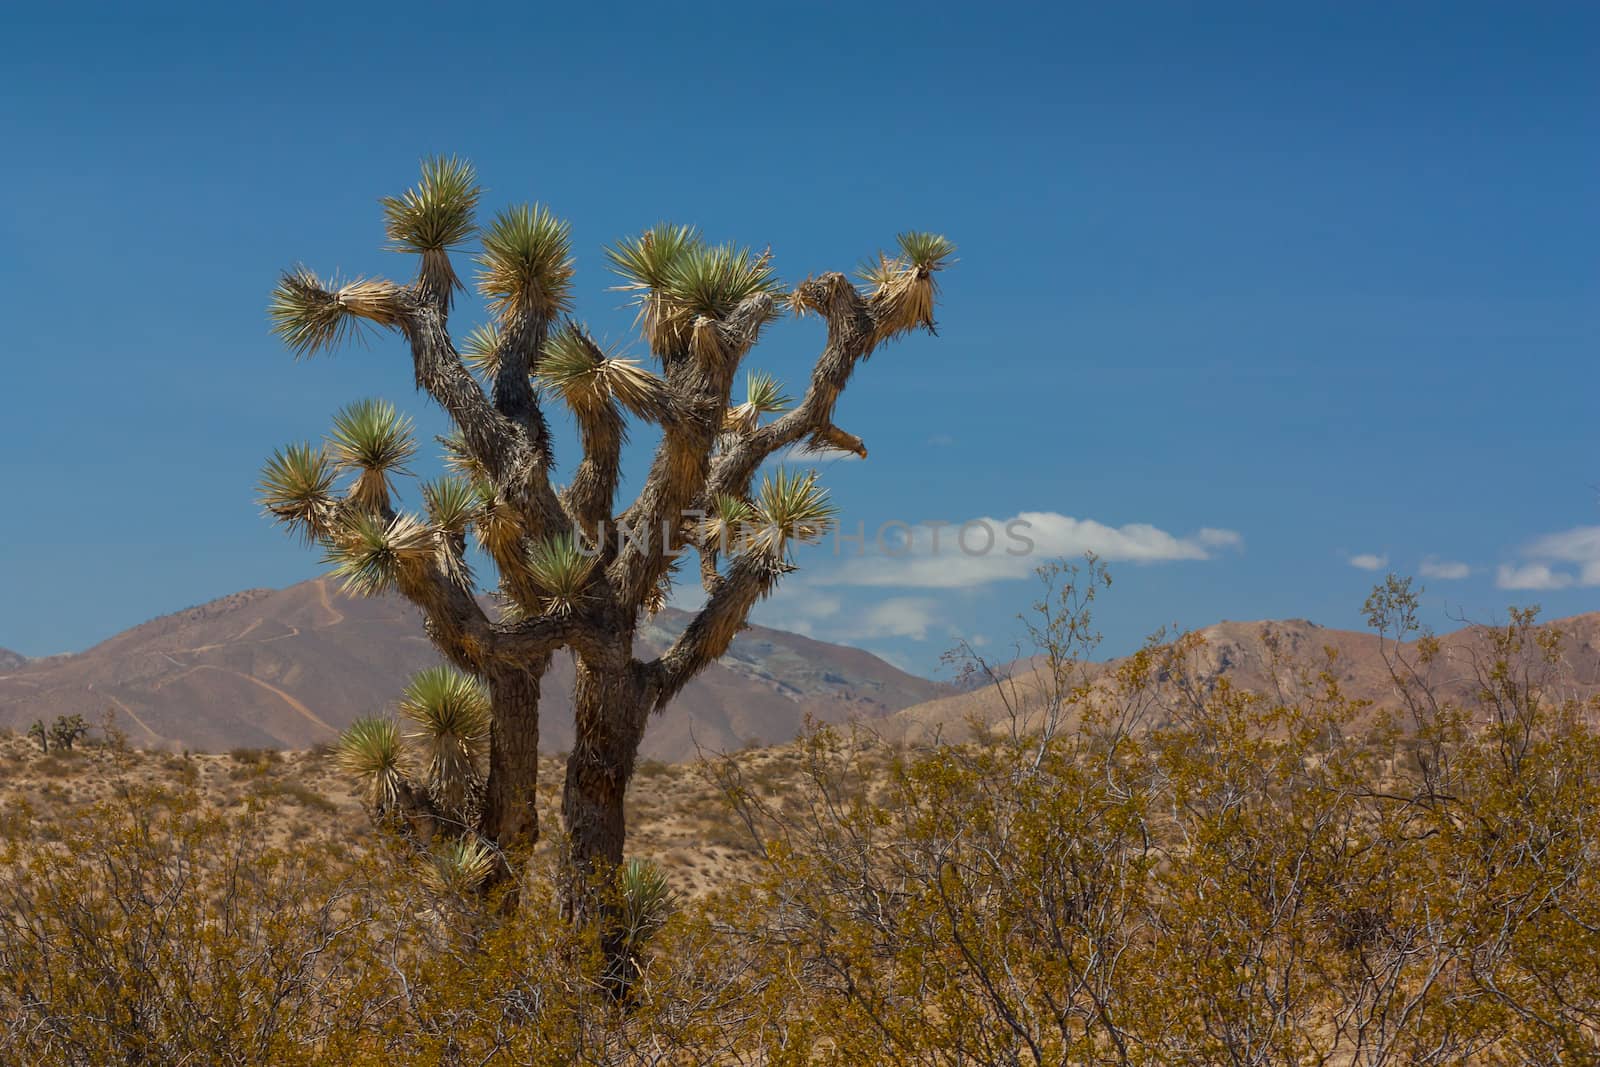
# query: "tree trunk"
510, 809
609, 714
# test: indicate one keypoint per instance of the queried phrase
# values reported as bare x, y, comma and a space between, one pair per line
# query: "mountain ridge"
1271, 656
290, 668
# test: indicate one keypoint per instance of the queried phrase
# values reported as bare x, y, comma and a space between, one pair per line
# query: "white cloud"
1212, 537
1446, 570
798, 608
931, 555
802, 609
1369, 561
1531, 576
1579, 545
901, 616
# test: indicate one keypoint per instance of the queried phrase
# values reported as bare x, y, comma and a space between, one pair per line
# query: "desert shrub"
1147, 867
295, 792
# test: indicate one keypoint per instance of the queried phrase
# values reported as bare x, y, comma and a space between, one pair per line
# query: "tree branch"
852, 334
699, 390
508, 450
751, 577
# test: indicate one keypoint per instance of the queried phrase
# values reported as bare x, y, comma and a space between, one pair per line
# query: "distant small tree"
40, 734
573, 571
67, 730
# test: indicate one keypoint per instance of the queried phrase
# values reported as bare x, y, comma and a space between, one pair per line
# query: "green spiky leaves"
431, 217
311, 317
526, 264
647, 261
684, 287
460, 866
374, 556
436, 213
370, 751
450, 712
452, 504
926, 251
481, 349
371, 438
713, 280
791, 507
560, 569
647, 902
588, 381
730, 517
763, 396
296, 488
901, 288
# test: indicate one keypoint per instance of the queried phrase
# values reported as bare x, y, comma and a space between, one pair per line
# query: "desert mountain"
1273, 657
288, 668
10, 660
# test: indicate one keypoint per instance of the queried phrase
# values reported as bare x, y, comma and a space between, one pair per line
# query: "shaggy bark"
510, 808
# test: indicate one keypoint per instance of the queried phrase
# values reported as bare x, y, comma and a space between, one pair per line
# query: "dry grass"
676, 815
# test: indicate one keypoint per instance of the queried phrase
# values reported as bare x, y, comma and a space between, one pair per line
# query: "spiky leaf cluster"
589, 382
312, 317
647, 901
481, 349
526, 265
436, 213
371, 438
902, 288
370, 751
790, 507
296, 488
729, 519
373, 556
450, 714
763, 396
560, 569
459, 866
452, 504
685, 287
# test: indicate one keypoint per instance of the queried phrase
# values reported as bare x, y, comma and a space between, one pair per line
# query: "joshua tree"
573, 570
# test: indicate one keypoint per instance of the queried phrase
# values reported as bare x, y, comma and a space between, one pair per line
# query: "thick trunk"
610, 714
510, 809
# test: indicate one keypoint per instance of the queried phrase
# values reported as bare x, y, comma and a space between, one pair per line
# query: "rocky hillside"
292, 667
1273, 657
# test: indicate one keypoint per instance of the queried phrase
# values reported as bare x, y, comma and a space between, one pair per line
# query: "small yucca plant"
450, 711
729, 519
370, 751
460, 866
452, 504
434, 216
312, 317
647, 902
576, 369
481, 349
902, 288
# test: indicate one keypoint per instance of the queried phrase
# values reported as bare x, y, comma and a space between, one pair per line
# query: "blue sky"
1320, 279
